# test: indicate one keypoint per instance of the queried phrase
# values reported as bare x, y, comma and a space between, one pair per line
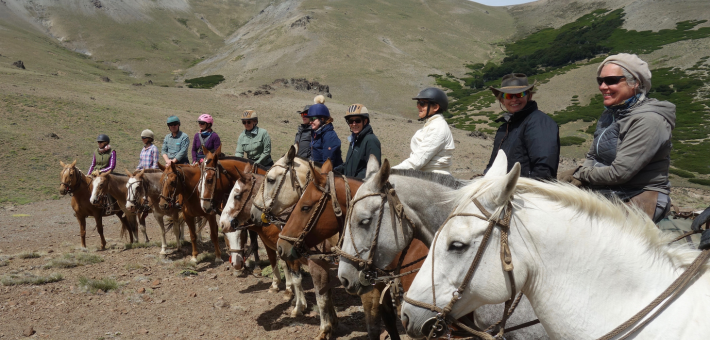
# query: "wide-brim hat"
305, 109
513, 83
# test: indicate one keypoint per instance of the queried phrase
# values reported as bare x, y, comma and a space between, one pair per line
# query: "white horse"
586, 264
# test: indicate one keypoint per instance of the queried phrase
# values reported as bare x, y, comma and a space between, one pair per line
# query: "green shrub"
700, 181
207, 82
681, 173
571, 140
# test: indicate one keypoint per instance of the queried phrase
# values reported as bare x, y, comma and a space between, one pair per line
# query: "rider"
528, 135
104, 158
630, 155
149, 153
362, 143
175, 144
433, 144
205, 137
303, 136
254, 141
325, 143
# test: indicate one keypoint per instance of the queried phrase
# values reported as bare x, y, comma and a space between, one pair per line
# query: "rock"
146, 298
141, 290
150, 82
192, 294
19, 64
29, 331
97, 4
50, 251
213, 276
25, 293
105, 79
285, 121
409, 120
262, 302
143, 331
221, 303
478, 134
155, 283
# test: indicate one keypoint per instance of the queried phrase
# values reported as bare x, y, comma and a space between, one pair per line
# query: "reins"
266, 215
142, 206
77, 179
203, 177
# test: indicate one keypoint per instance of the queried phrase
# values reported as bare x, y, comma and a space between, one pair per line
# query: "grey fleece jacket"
631, 148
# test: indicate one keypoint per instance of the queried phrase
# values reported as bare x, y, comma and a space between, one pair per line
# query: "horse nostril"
280, 251
405, 320
345, 282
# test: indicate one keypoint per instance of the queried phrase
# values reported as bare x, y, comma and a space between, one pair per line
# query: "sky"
501, 2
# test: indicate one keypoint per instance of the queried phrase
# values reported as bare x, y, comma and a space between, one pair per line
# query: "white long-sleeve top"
432, 147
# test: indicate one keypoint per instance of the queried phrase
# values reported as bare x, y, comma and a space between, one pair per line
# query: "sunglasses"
610, 80
173, 124
245, 122
313, 118
145, 137
304, 114
515, 95
354, 121
422, 103
201, 123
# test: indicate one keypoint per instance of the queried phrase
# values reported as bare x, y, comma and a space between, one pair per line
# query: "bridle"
440, 323
328, 192
133, 192
244, 200
172, 199
217, 170
266, 215
77, 182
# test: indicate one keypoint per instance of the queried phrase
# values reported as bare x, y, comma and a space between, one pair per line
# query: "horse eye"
271, 180
457, 246
238, 196
365, 222
305, 208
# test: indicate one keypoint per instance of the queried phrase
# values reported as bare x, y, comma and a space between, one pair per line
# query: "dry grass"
133, 266
137, 245
94, 285
29, 278
73, 260
28, 255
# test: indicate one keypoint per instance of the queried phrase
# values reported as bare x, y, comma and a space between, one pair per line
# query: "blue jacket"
326, 144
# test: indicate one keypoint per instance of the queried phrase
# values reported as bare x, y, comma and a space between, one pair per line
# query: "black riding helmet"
433, 95
103, 138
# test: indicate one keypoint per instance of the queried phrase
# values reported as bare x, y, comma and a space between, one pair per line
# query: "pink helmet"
205, 118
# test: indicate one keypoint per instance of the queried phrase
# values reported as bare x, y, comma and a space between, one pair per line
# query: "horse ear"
326, 167
318, 177
291, 154
240, 175
140, 174
502, 191
218, 150
248, 169
73, 164
62, 164
372, 166
499, 167
130, 174
161, 167
382, 175
205, 151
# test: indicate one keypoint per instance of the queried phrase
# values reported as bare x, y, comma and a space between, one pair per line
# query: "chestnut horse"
115, 185
74, 183
317, 207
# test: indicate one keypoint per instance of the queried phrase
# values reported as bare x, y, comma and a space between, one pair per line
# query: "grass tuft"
28, 255
188, 272
185, 264
138, 245
29, 278
73, 260
105, 284
133, 266
207, 82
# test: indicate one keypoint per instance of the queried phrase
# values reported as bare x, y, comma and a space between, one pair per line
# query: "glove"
568, 177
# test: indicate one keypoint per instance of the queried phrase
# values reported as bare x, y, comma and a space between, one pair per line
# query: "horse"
373, 241
108, 185
78, 186
143, 193
238, 209
314, 222
587, 264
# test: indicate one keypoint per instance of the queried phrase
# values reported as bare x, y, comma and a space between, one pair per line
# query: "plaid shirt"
149, 158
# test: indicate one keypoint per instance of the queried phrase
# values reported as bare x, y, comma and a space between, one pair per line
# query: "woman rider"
303, 136
528, 135
205, 137
149, 153
325, 143
104, 158
175, 144
362, 143
433, 144
254, 141
630, 155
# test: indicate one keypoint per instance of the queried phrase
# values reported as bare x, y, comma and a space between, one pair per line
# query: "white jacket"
432, 147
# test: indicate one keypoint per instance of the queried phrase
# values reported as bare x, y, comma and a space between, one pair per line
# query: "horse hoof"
274, 290
288, 295
193, 259
295, 313
322, 336
218, 260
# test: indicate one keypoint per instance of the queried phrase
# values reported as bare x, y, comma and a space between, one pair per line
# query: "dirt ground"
153, 300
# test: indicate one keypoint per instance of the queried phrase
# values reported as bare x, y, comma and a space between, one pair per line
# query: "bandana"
105, 149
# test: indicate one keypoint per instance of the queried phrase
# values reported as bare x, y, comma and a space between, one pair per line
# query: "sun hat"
513, 83
205, 118
147, 133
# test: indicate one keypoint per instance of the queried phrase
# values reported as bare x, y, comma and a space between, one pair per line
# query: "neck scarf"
105, 149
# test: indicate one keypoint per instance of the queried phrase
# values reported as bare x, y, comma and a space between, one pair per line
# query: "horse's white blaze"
131, 185
234, 244
203, 187
228, 213
94, 191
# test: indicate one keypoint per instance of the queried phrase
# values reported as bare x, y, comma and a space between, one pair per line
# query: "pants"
655, 204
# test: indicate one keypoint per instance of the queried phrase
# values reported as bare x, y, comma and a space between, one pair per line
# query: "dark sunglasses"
515, 95
610, 80
304, 114
354, 121
245, 122
422, 103
173, 124
145, 137
312, 118
201, 123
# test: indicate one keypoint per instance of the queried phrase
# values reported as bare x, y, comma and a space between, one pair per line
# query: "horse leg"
321, 281
288, 293
275, 274
214, 235
161, 222
389, 316
296, 279
100, 229
370, 304
133, 223
255, 247
141, 222
82, 229
200, 223
193, 237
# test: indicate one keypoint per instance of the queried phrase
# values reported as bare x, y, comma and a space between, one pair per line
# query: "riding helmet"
434, 95
357, 110
318, 109
173, 119
103, 138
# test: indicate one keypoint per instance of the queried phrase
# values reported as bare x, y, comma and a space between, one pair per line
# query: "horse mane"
629, 219
245, 160
443, 179
147, 171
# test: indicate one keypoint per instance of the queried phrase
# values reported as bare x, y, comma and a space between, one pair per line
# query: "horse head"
171, 187
210, 178
99, 189
135, 191
69, 178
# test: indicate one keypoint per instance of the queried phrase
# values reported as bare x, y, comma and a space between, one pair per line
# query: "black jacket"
532, 138
359, 151
303, 139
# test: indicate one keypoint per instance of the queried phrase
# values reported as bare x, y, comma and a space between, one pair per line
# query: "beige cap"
249, 114
147, 133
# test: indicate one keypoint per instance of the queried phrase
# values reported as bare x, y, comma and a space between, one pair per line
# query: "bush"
207, 82
28, 255
681, 173
71, 261
700, 181
571, 140
29, 278
105, 284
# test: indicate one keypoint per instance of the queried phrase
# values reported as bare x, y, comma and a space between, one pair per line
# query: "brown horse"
114, 185
316, 206
74, 183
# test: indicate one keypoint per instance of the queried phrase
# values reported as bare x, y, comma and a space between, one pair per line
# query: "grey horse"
424, 198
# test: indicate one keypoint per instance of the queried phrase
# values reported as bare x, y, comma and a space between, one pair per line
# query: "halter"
266, 215
133, 189
77, 180
173, 199
249, 197
442, 320
203, 174
105, 203
328, 192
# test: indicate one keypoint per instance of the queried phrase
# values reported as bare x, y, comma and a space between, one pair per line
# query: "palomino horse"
179, 185
390, 210
143, 189
114, 185
74, 183
238, 209
587, 264
314, 222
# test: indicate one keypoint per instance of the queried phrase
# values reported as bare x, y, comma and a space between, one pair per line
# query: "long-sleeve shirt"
432, 147
176, 147
148, 158
257, 146
110, 164
211, 142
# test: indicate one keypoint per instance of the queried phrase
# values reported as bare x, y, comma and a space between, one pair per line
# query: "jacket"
176, 147
631, 148
257, 146
303, 140
531, 138
360, 148
104, 162
211, 142
326, 144
432, 147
